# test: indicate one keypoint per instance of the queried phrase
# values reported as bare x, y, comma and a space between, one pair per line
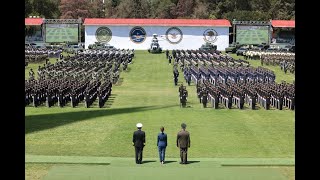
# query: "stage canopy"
158, 22
33, 21
283, 23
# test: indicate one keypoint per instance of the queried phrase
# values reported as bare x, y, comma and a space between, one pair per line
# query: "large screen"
61, 33
252, 34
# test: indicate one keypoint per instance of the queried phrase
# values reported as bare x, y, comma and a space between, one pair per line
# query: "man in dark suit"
183, 142
139, 140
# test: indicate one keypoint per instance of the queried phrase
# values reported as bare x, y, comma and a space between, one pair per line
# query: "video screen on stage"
58, 33
252, 34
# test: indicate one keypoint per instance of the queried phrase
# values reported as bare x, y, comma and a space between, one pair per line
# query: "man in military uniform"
87, 101
183, 96
204, 97
199, 90
175, 76
73, 99
188, 77
138, 141
31, 74
167, 53
183, 142
180, 89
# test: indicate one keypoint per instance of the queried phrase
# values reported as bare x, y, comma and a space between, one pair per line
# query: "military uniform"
183, 142
139, 140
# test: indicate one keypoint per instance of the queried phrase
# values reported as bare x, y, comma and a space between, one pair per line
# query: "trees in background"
246, 16
171, 9
162, 9
71, 9
27, 7
44, 8
110, 8
282, 9
201, 10
133, 9
97, 9
185, 8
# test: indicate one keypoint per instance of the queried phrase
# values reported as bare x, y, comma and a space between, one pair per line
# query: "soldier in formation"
85, 77
234, 83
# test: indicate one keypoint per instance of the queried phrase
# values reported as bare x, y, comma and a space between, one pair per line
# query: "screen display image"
252, 34
61, 33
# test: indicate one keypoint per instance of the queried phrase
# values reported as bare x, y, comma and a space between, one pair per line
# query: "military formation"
186, 58
36, 55
286, 60
220, 79
85, 77
267, 95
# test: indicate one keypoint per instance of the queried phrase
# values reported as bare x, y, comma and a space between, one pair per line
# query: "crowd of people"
85, 77
37, 55
286, 60
185, 58
220, 79
267, 95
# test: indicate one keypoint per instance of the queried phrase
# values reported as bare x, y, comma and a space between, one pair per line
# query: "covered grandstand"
33, 29
283, 31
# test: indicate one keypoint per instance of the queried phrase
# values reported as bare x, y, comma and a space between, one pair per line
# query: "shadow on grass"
34, 123
144, 162
71, 163
191, 162
168, 162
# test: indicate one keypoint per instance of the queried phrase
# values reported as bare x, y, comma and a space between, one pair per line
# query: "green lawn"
147, 94
172, 170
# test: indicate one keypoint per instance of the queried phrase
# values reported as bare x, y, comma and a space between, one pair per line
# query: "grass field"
146, 94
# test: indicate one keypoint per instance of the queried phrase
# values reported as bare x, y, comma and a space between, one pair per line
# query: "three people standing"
183, 142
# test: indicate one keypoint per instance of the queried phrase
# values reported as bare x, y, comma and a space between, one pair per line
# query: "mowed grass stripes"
147, 94
130, 161
77, 172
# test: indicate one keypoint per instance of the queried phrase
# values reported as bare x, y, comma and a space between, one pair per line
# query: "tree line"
242, 10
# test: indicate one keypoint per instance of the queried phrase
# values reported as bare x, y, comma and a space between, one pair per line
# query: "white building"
172, 33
